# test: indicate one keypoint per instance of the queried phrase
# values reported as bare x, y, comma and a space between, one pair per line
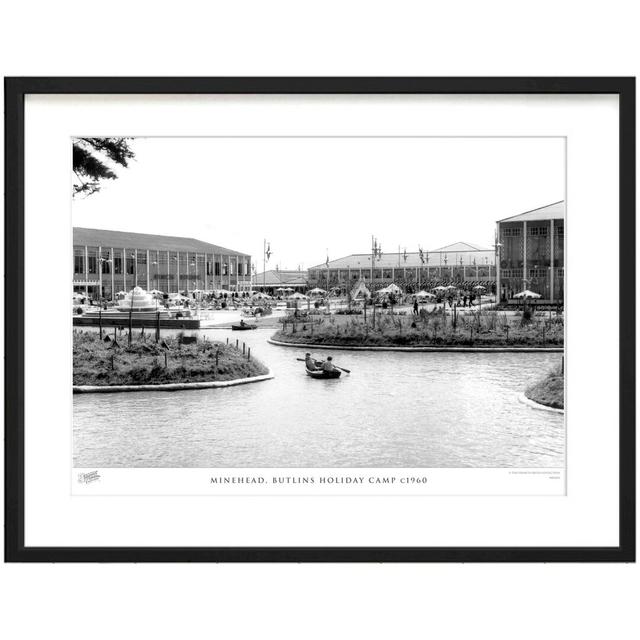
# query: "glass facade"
102, 272
532, 257
458, 268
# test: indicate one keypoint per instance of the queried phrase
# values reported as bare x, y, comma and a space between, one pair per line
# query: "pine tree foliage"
96, 160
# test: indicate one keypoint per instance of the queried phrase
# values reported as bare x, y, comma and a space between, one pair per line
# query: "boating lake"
396, 409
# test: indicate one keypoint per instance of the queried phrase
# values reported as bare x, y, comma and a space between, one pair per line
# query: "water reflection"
393, 410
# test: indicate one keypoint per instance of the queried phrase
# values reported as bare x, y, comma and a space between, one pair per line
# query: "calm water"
394, 410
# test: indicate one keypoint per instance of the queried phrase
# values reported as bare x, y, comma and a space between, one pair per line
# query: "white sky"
307, 195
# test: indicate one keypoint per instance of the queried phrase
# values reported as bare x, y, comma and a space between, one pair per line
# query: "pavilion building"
531, 253
105, 262
274, 279
458, 263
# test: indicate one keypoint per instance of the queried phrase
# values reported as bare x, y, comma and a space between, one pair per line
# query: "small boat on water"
319, 373
243, 326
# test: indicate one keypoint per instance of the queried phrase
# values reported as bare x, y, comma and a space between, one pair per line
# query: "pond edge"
433, 349
172, 386
536, 405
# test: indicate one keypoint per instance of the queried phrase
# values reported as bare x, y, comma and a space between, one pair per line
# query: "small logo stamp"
87, 478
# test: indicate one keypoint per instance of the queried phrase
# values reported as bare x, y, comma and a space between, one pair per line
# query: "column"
213, 271
124, 270
168, 271
99, 272
178, 271
498, 265
135, 267
148, 281
524, 256
86, 270
113, 275
552, 271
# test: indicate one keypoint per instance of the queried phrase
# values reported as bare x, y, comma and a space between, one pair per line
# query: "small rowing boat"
243, 326
319, 373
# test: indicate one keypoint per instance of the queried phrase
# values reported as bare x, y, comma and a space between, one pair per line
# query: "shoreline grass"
473, 329
99, 363
548, 391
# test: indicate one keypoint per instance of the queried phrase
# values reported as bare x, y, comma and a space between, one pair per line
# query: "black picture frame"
15, 91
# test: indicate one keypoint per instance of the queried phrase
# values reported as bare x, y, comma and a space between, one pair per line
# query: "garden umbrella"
440, 288
424, 294
156, 292
316, 292
298, 296
392, 288
479, 287
527, 294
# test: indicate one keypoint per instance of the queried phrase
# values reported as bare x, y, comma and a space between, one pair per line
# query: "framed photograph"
320, 319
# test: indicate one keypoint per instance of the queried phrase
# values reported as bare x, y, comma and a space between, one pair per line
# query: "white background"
371, 38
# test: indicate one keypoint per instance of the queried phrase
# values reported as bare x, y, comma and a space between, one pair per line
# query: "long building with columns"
105, 262
461, 262
531, 253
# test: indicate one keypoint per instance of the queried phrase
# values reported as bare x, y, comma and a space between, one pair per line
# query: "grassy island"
427, 329
99, 362
549, 391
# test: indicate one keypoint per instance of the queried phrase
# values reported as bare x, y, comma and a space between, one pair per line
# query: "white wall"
330, 38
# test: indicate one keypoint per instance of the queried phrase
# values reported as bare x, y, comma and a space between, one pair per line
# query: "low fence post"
243, 347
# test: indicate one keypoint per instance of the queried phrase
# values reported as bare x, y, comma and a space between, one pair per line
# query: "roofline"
323, 265
159, 235
529, 211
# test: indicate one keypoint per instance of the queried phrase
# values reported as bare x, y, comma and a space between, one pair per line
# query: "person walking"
415, 307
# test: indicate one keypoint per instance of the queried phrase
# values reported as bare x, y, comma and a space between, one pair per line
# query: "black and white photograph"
319, 302
297, 326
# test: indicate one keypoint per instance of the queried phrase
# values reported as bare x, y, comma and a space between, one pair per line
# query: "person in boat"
310, 362
327, 365
241, 322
